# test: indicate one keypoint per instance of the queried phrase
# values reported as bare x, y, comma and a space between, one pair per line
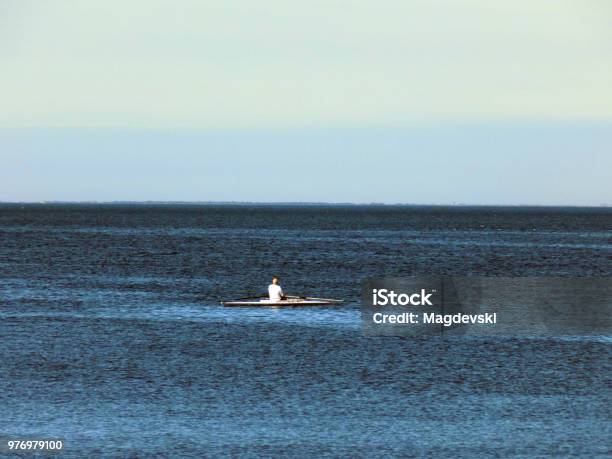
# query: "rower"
275, 290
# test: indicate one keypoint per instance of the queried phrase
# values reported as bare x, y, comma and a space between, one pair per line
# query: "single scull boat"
289, 301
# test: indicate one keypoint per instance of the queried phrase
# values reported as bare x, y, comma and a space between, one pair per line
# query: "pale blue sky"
556, 164
423, 101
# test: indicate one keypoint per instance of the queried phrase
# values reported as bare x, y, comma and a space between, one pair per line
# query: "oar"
331, 300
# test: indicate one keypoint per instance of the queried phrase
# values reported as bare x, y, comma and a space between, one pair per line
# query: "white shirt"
275, 291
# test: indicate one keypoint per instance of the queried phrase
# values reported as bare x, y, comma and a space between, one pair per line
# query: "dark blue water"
112, 336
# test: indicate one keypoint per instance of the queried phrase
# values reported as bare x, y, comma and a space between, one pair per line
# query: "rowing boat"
289, 301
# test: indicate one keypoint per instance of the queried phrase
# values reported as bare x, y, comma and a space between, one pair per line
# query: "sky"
491, 102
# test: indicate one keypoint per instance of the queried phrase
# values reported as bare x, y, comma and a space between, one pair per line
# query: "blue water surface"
113, 338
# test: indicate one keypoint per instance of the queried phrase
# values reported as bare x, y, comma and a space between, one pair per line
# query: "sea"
113, 339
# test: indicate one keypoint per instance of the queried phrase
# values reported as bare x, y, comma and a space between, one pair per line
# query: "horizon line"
297, 203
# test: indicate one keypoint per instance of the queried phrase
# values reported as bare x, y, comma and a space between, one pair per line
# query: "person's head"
275, 280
